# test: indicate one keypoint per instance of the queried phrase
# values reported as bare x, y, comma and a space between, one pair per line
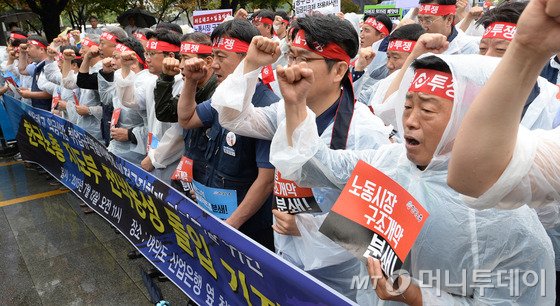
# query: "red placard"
76, 100
184, 170
291, 198
386, 218
55, 101
115, 117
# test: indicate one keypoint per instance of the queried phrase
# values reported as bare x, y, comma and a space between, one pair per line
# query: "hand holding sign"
402, 289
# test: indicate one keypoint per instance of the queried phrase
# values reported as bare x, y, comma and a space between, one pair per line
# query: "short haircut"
431, 62
92, 17
237, 28
324, 29
77, 61
135, 45
282, 14
199, 38
170, 26
265, 14
504, 12
39, 39
117, 31
166, 35
408, 32
383, 18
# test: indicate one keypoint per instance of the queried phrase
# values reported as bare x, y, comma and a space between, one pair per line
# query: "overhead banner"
206, 21
303, 7
391, 10
209, 261
375, 216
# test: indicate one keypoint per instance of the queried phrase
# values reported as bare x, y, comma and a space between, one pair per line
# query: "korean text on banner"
206, 21
302, 7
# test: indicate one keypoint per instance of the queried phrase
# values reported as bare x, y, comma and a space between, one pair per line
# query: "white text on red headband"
379, 26
230, 44
400, 45
330, 51
437, 9
194, 48
433, 82
501, 30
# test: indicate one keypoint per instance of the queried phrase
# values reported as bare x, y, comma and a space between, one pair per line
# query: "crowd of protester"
269, 99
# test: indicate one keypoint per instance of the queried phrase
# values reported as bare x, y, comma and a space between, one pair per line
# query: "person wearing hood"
373, 33
342, 124
126, 124
438, 16
456, 241
496, 162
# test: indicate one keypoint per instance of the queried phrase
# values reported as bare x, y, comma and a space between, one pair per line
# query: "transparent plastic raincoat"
462, 255
136, 91
312, 251
128, 119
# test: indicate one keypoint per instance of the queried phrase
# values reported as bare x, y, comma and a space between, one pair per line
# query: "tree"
49, 12
78, 11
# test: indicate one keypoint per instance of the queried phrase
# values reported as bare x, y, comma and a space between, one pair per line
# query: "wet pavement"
51, 253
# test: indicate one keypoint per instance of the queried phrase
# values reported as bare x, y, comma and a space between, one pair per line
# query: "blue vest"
234, 166
196, 141
39, 103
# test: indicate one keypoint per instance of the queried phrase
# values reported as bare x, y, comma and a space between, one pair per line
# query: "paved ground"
51, 253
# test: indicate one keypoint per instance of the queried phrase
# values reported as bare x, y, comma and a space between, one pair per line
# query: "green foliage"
348, 6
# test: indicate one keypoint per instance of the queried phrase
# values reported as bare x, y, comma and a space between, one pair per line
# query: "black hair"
39, 39
18, 41
170, 26
92, 17
166, 35
380, 17
135, 45
199, 38
324, 29
431, 62
77, 61
408, 32
237, 28
503, 12
440, 2
282, 14
265, 14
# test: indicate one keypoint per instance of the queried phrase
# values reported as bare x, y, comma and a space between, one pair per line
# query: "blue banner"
209, 261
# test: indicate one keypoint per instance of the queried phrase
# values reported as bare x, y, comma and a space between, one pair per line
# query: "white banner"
302, 7
206, 21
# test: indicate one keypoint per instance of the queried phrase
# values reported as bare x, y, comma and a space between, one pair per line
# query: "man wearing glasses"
439, 17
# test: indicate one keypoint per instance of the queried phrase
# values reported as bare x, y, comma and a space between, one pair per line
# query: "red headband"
230, 44
286, 22
159, 45
140, 36
330, 51
194, 48
437, 9
37, 43
501, 30
88, 43
108, 36
401, 45
263, 20
123, 48
379, 26
433, 82
17, 36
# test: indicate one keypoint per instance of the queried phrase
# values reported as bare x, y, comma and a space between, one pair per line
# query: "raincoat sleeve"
532, 176
69, 82
45, 85
170, 148
141, 134
309, 162
53, 73
232, 100
127, 93
107, 90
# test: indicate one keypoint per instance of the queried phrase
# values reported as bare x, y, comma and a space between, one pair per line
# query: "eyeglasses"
302, 59
428, 21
